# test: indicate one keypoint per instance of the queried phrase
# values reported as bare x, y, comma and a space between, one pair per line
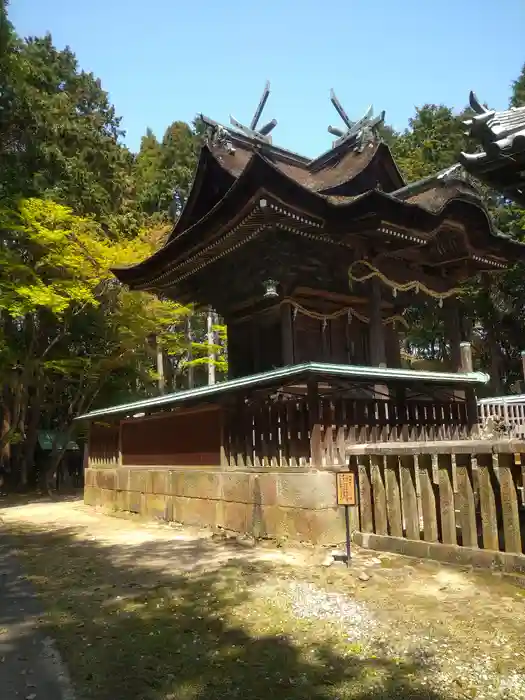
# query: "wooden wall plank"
466, 501
393, 497
365, 494
446, 501
489, 521
428, 499
408, 487
379, 495
509, 504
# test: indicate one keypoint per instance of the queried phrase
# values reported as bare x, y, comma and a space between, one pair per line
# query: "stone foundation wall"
299, 506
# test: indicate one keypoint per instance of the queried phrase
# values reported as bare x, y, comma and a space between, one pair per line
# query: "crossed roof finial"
251, 131
353, 129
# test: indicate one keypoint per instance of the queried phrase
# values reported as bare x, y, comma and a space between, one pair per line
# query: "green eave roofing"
308, 369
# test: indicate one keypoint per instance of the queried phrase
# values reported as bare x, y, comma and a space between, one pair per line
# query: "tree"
59, 135
69, 330
164, 171
517, 98
432, 142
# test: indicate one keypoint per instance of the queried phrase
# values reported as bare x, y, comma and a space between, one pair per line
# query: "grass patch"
129, 633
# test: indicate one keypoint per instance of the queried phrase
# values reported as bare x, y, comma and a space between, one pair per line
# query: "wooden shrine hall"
312, 264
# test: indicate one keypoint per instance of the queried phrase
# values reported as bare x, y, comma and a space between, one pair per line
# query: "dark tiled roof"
500, 160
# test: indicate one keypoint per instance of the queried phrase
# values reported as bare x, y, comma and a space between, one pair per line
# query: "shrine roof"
263, 195
244, 185
500, 160
283, 377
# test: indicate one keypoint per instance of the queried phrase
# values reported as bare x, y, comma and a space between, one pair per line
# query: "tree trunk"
33, 423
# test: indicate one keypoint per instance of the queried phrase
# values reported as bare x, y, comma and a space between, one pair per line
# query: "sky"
167, 60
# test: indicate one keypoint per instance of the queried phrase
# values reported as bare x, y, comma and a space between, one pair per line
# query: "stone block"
137, 480
106, 479
159, 481
122, 479
122, 500
312, 490
107, 498
235, 516
268, 486
201, 484
90, 495
304, 525
237, 487
135, 502
155, 506
175, 483
195, 511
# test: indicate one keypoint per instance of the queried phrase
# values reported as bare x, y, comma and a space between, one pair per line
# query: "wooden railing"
290, 433
468, 493
507, 411
104, 448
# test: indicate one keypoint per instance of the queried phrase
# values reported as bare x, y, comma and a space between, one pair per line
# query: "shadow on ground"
14, 499
133, 633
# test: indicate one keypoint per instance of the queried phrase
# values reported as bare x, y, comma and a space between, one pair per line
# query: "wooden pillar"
189, 339
393, 346
160, 367
211, 342
377, 330
465, 349
314, 415
287, 334
523, 363
377, 340
470, 393
256, 340
452, 322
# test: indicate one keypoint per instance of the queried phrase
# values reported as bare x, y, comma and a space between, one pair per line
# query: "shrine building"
312, 264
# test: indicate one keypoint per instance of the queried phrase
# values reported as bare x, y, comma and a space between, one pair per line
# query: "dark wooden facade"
345, 245
316, 261
312, 264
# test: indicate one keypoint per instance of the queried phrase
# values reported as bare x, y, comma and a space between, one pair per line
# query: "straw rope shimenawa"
414, 285
349, 311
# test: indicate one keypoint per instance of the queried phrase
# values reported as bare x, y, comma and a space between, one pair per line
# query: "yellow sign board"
345, 488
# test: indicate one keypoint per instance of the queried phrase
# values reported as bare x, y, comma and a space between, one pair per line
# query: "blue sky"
164, 60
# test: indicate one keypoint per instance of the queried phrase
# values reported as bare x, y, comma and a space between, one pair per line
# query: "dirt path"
255, 620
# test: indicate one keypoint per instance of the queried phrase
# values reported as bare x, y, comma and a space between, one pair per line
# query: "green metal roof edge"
288, 372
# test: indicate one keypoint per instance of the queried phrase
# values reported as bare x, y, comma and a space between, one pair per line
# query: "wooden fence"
509, 410
288, 433
468, 493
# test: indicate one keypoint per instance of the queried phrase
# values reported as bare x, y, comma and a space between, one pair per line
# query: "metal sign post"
345, 482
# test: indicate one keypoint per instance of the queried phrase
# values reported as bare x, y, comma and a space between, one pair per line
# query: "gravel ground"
463, 629
446, 670
309, 602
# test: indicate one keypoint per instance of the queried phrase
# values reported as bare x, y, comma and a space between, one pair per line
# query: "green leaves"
164, 171
432, 142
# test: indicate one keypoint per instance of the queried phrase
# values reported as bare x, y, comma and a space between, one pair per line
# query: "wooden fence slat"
393, 496
509, 504
293, 422
446, 500
408, 486
365, 494
257, 436
379, 495
489, 521
466, 501
428, 499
